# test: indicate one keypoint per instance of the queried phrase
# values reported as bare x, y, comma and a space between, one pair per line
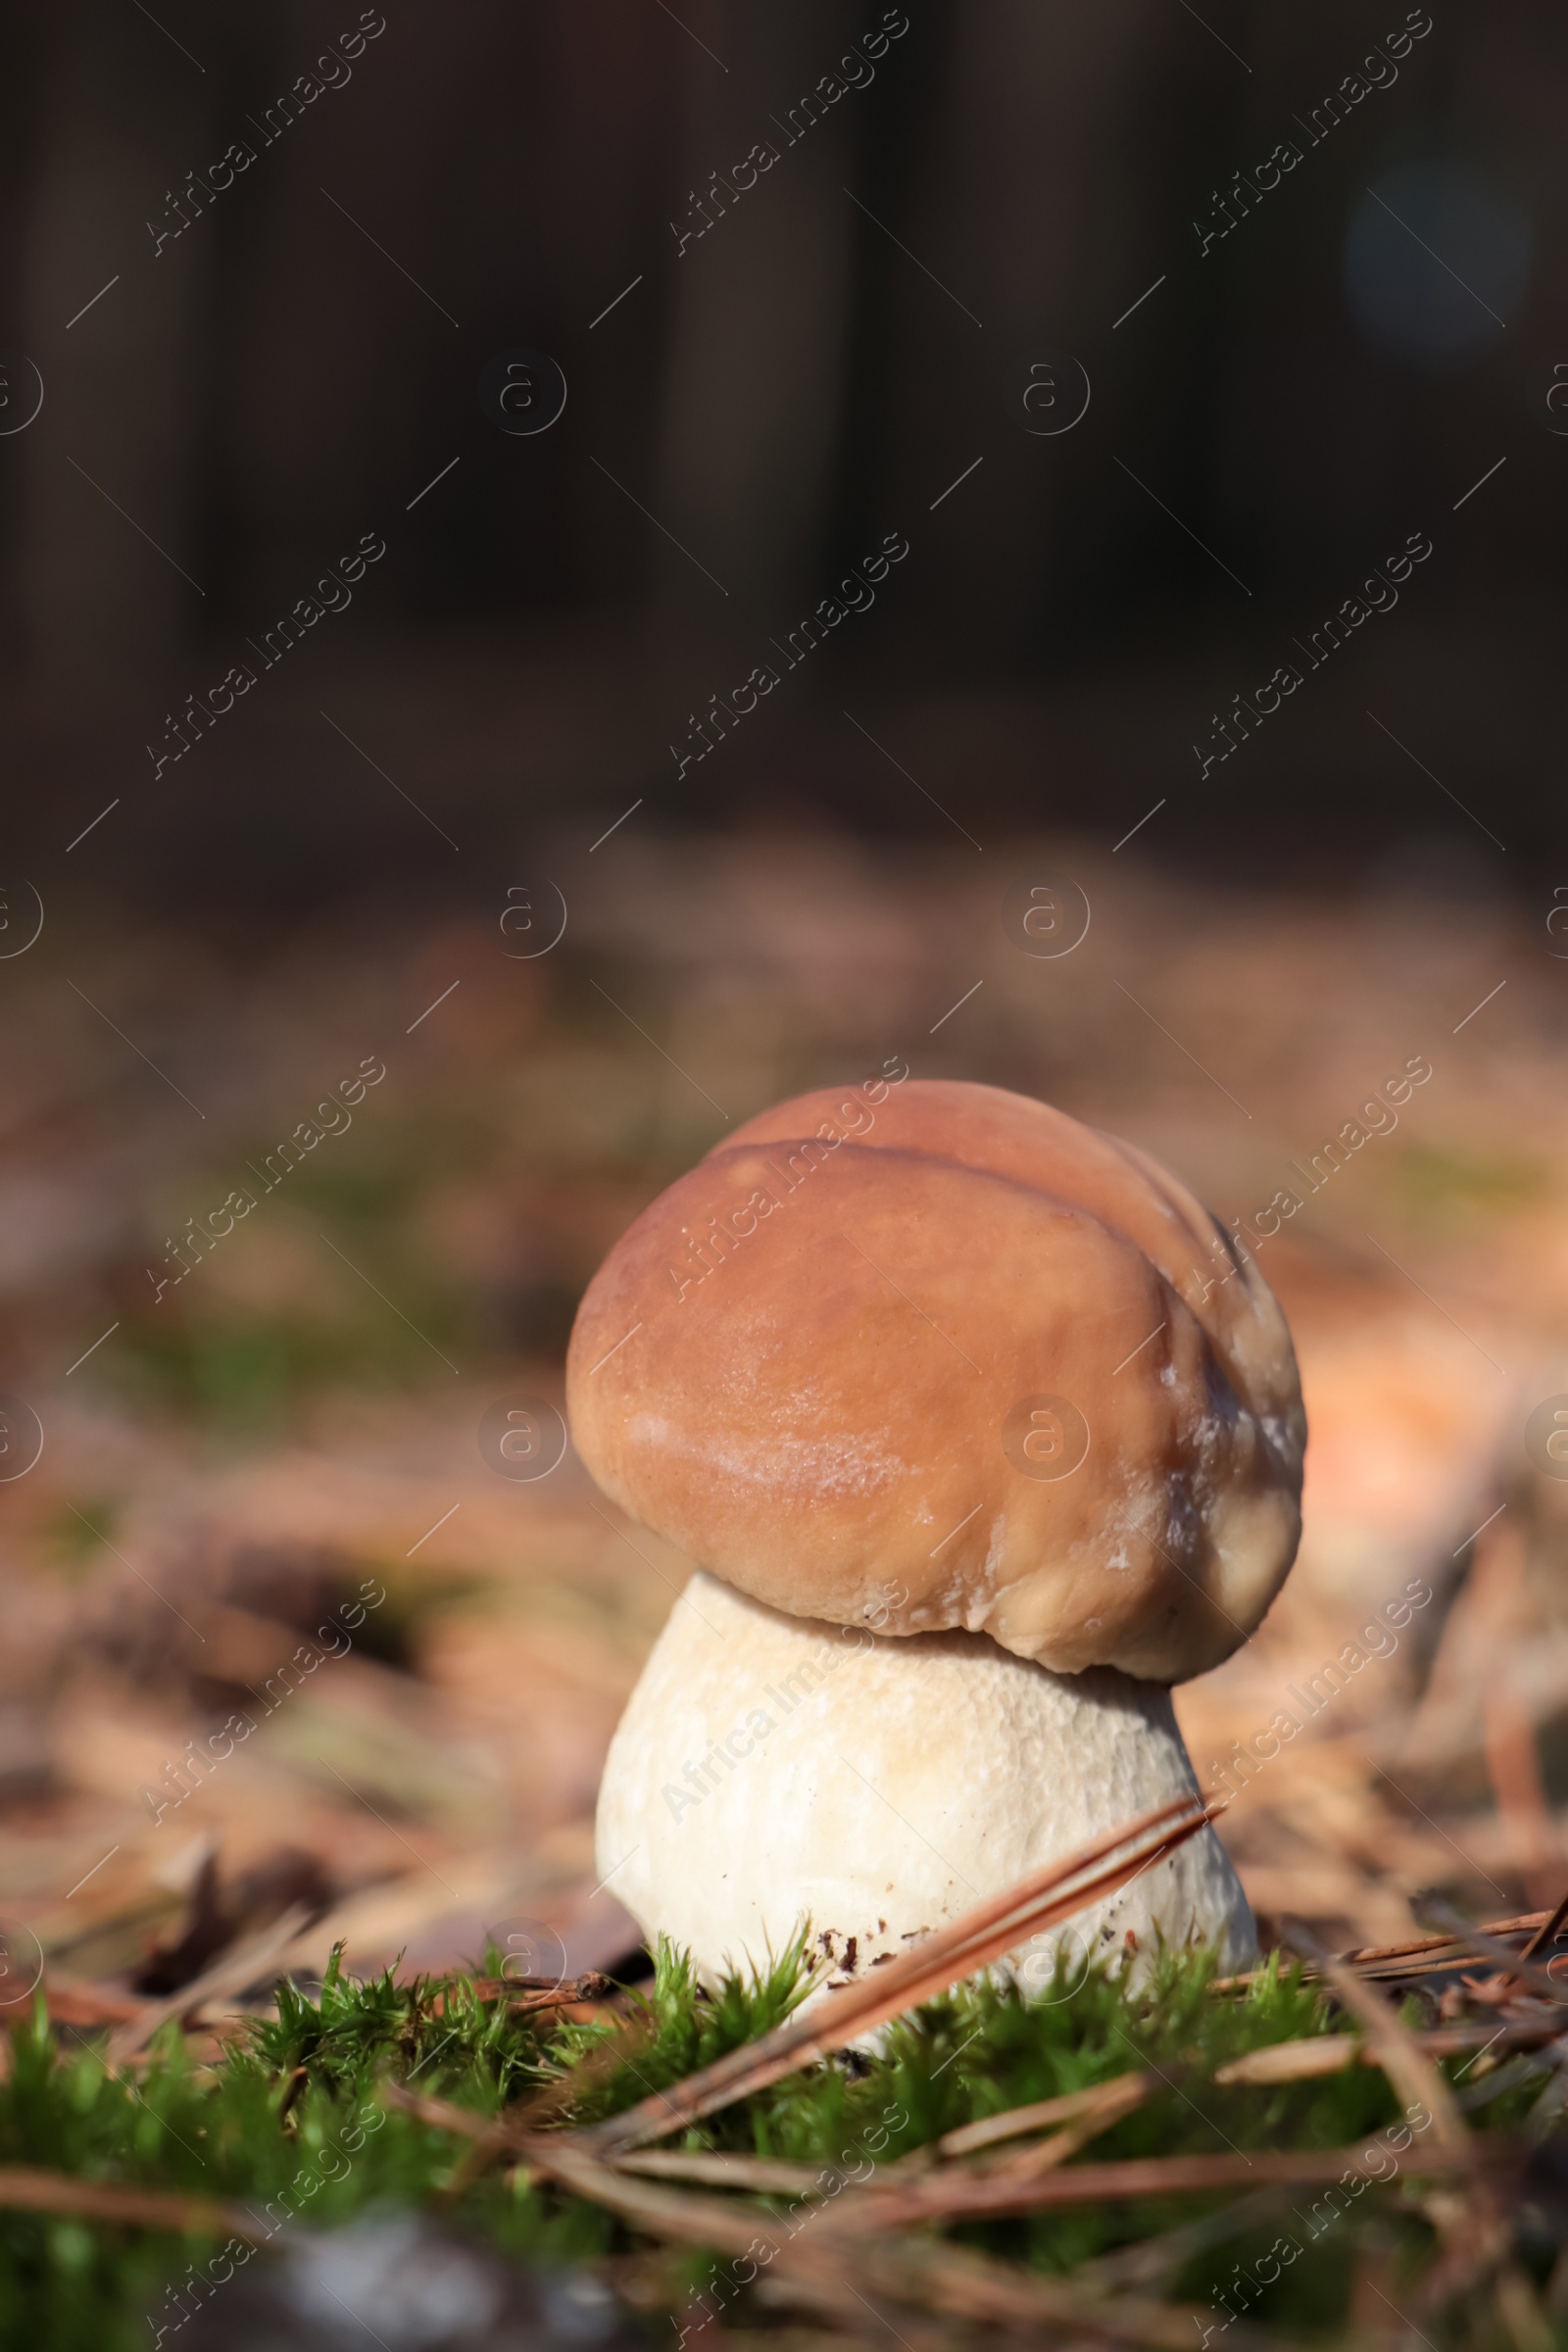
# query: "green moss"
292, 2121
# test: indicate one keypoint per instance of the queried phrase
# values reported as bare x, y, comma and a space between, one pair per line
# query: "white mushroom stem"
770, 1768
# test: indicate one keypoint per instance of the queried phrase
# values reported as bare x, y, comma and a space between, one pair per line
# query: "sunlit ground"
276, 1458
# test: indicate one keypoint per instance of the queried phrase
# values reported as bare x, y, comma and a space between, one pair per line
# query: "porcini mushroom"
982, 1434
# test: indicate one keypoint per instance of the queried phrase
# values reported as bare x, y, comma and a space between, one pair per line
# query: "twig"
1523, 1971
524, 1996
1027, 2164
759, 2175
1317, 2054
28, 2189
1015, 2121
1367, 1956
1421, 1955
238, 1967
1548, 1934
952, 2196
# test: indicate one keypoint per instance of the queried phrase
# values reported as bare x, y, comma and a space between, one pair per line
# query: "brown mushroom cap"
948, 1359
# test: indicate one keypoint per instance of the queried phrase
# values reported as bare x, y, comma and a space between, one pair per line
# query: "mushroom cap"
939, 1357
769, 1769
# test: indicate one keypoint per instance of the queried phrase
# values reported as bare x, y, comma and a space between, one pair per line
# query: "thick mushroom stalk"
770, 1768
981, 1406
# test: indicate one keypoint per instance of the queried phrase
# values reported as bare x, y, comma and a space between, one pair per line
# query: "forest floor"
262, 1500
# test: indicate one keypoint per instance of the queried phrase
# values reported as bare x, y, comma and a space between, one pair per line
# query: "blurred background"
583, 558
